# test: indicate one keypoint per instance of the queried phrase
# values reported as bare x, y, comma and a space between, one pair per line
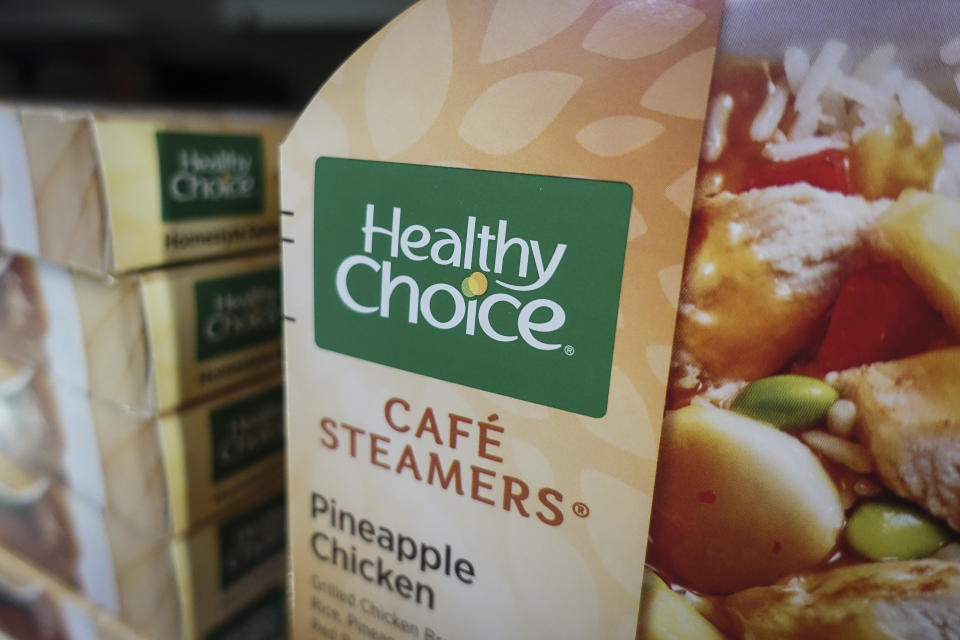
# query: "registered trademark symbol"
581, 510
569, 350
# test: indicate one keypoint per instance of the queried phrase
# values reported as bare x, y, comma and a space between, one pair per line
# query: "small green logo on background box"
206, 176
265, 619
500, 281
246, 432
250, 539
237, 312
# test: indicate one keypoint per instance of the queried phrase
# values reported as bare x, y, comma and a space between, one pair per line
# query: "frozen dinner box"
168, 473
151, 341
116, 191
486, 211
33, 605
161, 586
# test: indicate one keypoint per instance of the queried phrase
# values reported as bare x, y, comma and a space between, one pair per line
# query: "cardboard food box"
162, 587
112, 192
165, 474
486, 211
33, 605
37, 606
152, 341
807, 482
263, 619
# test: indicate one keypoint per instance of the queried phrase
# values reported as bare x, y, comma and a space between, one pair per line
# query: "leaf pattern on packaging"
670, 279
336, 139
636, 29
524, 95
680, 190
294, 187
627, 424
535, 466
520, 25
638, 226
658, 357
615, 544
682, 89
572, 603
513, 112
618, 135
406, 86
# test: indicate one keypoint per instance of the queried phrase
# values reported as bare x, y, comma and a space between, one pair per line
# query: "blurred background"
201, 53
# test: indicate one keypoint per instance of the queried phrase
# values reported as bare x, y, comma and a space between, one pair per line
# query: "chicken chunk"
873, 601
764, 266
908, 416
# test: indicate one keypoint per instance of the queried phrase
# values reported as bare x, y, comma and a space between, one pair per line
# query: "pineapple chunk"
665, 615
923, 232
739, 502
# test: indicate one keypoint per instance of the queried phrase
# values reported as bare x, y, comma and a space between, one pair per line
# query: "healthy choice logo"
246, 432
504, 282
204, 176
237, 312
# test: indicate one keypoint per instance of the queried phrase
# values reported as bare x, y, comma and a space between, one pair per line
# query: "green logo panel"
250, 539
246, 432
504, 282
237, 312
208, 176
265, 619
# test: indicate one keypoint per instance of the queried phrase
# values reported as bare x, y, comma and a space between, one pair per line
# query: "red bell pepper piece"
879, 315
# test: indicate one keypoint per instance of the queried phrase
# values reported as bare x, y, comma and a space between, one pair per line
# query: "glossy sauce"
710, 260
747, 82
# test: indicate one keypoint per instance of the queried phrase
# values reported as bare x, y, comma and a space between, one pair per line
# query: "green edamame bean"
888, 531
652, 581
789, 402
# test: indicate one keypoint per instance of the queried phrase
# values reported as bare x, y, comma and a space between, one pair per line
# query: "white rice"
715, 128
766, 121
948, 118
857, 90
946, 183
875, 66
852, 456
822, 71
793, 149
917, 107
808, 120
835, 108
796, 63
947, 180
951, 157
950, 52
834, 114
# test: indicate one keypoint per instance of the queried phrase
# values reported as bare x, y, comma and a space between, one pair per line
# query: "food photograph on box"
807, 485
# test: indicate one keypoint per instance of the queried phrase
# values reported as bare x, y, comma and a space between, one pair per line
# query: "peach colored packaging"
485, 214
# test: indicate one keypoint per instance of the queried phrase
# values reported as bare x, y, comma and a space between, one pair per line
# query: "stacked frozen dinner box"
141, 469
